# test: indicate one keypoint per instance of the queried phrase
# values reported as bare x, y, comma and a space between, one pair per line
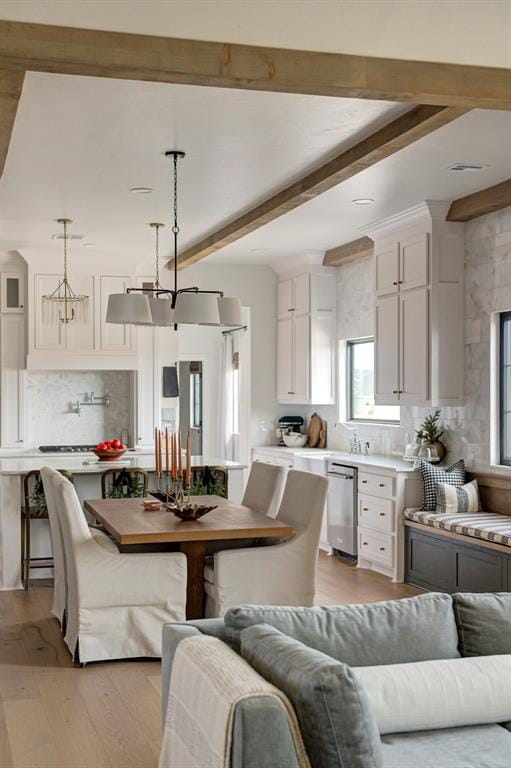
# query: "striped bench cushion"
479, 525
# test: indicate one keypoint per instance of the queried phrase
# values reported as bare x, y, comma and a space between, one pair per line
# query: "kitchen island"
86, 470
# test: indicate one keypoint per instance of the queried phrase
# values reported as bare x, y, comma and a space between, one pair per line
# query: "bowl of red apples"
110, 450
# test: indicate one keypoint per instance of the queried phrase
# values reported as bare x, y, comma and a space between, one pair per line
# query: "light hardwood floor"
107, 715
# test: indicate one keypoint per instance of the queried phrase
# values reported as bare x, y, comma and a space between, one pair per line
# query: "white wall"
459, 31
257, 289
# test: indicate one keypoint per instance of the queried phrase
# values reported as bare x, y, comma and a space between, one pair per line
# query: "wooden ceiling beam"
394, 136
75, 51
344, 254
11, 84
482, 202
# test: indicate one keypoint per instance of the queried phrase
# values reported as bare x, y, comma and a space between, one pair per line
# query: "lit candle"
167, 466
188, 473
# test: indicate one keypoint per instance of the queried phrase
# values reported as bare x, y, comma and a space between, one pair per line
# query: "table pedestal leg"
195, 552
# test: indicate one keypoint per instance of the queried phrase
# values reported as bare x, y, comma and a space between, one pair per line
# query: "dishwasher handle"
341, 477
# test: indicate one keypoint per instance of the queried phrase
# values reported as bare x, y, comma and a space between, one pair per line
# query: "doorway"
191, 402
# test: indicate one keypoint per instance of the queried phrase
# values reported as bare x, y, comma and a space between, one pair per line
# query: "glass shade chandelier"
64, 305
159, 306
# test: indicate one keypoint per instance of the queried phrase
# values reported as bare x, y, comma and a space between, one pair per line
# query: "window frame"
505, 461
350, 344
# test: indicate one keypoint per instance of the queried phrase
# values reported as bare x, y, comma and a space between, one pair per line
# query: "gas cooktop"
66, 448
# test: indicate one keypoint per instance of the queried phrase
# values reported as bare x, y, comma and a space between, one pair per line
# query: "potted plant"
430, 433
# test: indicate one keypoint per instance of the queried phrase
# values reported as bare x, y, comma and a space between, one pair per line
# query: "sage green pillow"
484, 623
336, 722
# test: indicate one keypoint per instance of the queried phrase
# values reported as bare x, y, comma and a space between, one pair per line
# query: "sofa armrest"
172, 636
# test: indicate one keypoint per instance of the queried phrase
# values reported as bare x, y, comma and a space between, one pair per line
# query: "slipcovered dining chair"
116, 603
59, 570
283, 574
264, 488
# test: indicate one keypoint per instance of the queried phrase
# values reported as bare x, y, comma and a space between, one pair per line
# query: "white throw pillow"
451, 500
445, 693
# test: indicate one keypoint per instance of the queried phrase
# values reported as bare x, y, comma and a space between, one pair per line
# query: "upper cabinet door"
301, 359
285, 390
414, 347
12, 363
12, 292
80, 336
113, 338
386, 362
284, 298
387, 268
48, 335
414, 261
301, 287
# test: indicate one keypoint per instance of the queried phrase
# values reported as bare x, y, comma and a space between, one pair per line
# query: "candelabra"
173, 490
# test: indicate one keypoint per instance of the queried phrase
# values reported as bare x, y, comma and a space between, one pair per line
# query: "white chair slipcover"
265, 485
116, 603
283, 574
59, 570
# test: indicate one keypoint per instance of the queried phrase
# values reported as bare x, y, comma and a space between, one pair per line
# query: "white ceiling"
79, 144
474, 32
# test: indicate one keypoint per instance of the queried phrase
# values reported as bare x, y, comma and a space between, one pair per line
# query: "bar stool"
125, 483
34, 508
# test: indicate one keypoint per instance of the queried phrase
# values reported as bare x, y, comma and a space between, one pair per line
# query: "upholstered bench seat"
479, 525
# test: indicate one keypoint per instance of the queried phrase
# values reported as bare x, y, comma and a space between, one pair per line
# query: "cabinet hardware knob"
395, 391
382, 514
381, 485
365, 509
382, 549
364, 543
364, 482
395, 282
291, 309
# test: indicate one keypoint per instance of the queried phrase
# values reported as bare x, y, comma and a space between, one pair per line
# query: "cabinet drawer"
264, 458
282, 461
376, 485
374, 512
376, 546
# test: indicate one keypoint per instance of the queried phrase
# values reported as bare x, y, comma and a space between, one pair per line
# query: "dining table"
135, 529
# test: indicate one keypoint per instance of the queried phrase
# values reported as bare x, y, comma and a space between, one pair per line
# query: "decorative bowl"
112, 454
295, 440
190, 512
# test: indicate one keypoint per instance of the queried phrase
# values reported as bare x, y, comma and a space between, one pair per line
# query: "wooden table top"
128, 522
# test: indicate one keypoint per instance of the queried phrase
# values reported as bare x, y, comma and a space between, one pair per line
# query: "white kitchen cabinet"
419, 308
113, 338
12, 362
386, 350
414, 346
301, 358
12, 292
285, 333
306, 338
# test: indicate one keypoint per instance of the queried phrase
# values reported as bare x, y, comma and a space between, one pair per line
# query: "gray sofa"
296, 646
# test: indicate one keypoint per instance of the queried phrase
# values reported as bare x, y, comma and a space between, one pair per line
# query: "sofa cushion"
335, 718
391, 632
484, 623
477, 746
431, 475
444, 693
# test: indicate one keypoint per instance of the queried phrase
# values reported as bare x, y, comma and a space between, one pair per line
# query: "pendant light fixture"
166, 307
64, 305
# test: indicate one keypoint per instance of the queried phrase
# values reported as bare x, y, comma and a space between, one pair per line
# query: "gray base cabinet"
437, 563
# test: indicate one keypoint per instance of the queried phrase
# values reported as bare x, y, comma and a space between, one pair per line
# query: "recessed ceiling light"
89, 245
363, 200
141, 190
470, 167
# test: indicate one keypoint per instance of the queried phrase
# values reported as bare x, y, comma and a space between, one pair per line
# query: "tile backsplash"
52, 396
487, 289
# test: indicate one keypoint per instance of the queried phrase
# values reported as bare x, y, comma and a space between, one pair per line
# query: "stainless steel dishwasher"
342, 507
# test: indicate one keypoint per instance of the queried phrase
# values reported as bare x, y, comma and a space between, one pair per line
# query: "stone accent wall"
52, 396
487, 290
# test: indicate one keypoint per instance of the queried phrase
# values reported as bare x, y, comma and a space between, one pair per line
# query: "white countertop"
373, 461
88, 464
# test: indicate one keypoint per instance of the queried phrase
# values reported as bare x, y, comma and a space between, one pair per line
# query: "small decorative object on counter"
110, 450
429, 434
322, 435
314, 430
411, 449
